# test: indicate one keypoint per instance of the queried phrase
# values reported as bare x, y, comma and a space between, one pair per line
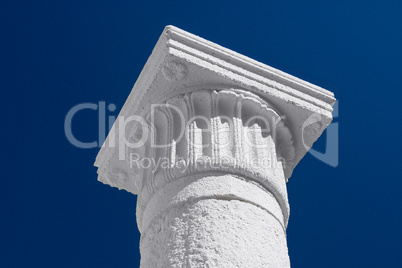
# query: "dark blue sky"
57, 54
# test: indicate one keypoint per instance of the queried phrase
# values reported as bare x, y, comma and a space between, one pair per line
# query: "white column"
208, 139
221, 199
214, 221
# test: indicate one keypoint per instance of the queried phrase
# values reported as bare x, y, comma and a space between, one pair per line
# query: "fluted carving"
229, 131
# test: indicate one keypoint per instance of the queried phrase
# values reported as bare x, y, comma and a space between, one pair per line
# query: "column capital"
182, 63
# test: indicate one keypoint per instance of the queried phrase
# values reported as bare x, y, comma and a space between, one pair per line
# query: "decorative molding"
181, 62
210, 130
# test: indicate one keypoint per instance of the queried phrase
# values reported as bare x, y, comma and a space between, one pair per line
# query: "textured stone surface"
212, 139
216, 222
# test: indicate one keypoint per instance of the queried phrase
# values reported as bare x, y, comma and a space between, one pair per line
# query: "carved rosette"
229, 131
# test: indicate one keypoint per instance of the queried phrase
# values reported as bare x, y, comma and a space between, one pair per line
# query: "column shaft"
213, 221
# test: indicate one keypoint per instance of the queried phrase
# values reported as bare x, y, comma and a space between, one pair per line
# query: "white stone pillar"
221, 199
208, 139
214, 220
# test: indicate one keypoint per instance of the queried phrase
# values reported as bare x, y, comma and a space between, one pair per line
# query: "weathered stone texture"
232, 131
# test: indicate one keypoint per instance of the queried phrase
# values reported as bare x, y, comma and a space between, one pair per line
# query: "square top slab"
182, 62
